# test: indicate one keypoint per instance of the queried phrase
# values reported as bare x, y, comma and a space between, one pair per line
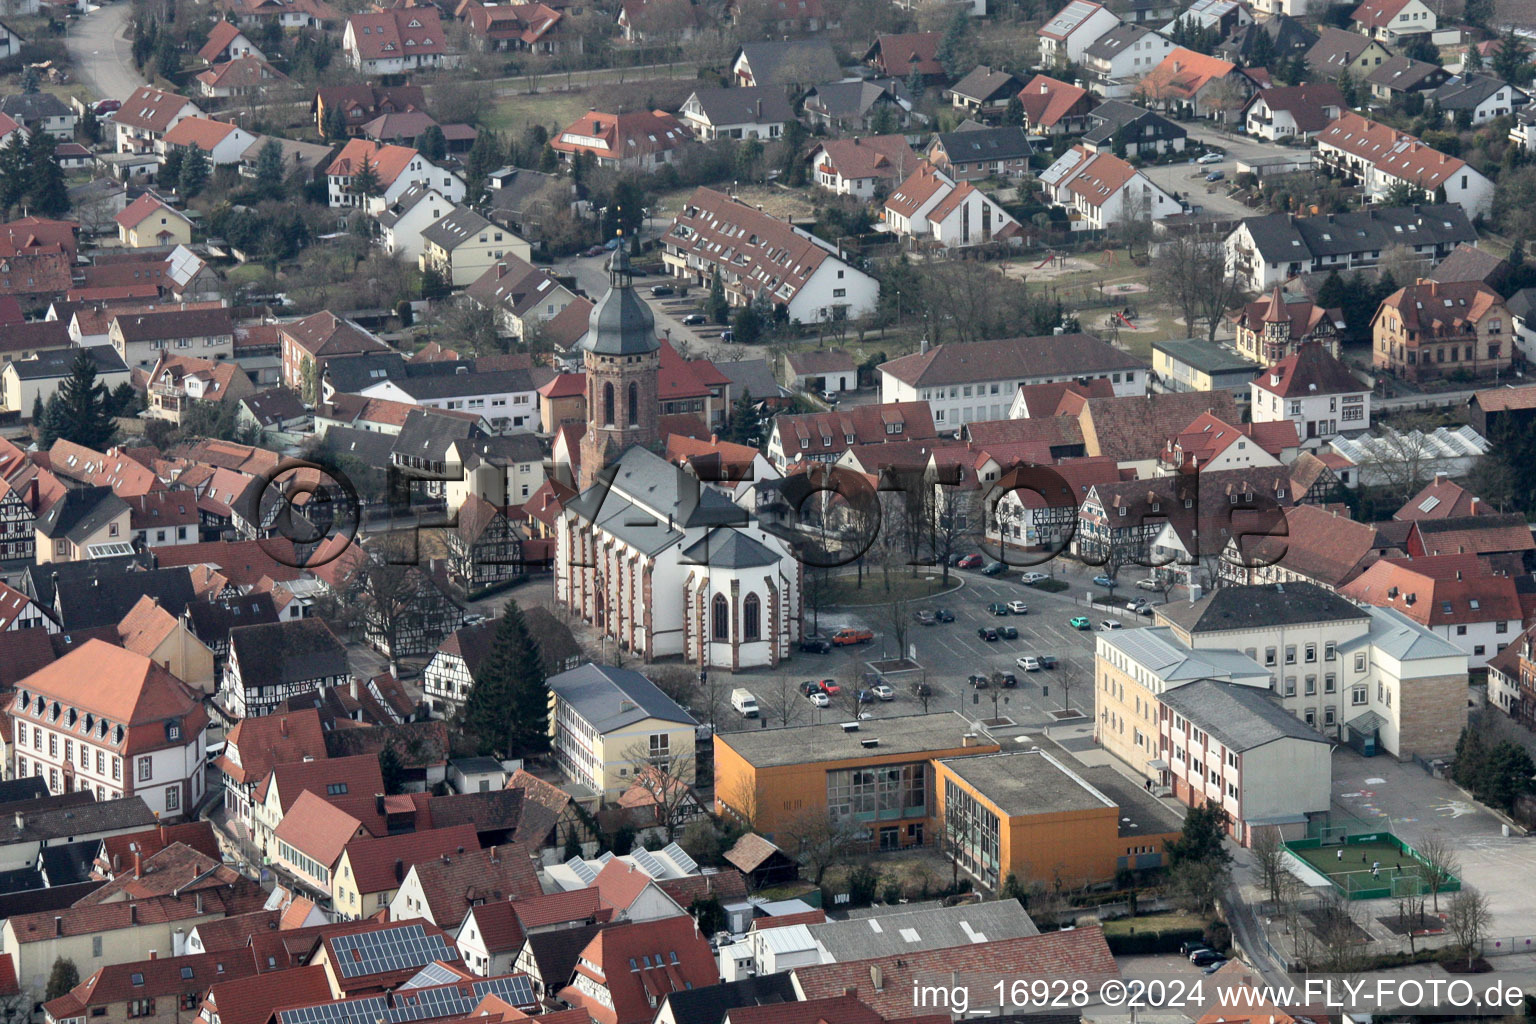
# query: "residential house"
461, 246
166, 640
1313, 390
1299, 111
132, 990
1398, 76
394, 169
24, 381
449, 675
829, 371
226, 42
85, 523
523, 297
1221, 17
1454, 596
402, 222
106, 719
1195, 85
1119, 58
750, 112
38, 111
1099, 190
1270, 250
146, 116
930, 205
311, 342
520, 199
1066, 36
599, 717
824, 437
398, 41
359, 104
854, 104
269, 663
1053, 107
522, 28
1286, 37
1392, 21
1477, 97
254, 746
39, 255
222, 142
352, 779
1380, 158
905, 54
1441, 498
984, 92
638, 141
315, 14
1194, 364
371, 871
1338, 50
604, 987
1119, 126
176, 382
1466, 263
240, 78
148, 222
788, 266
1316, 546
861, 167
1277, 325
444, 888
1430, 329
143, 339
974, 152
657, 20
787, 17
484, 550
789, 63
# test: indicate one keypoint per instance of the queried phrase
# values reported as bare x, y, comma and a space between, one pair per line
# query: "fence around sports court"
1365, 884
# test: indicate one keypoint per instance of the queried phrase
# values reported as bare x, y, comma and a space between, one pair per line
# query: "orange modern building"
1027, 813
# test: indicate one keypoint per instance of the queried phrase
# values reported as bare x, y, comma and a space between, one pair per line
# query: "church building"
662, 563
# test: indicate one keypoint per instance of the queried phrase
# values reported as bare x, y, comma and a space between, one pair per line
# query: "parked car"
830, 686
849, 635
944, 615
1148, 584
997, 608
1047, 660
660, 290
883, 691
1206, 957
1028, 662
1141, 606
1009, 680
979, 681
993, 569
925, 617
107, 106
1080, 622
921, 689
987, 633
816, 645
695, 319
866, 697
830, 397
1032, 578
1216, 176
1018, 608
1190, 945
728, 335
1008, 632
1214, 966
970, 562
1212, 158
594, 250
809, 687
1109, 624
819, 699
1104, 581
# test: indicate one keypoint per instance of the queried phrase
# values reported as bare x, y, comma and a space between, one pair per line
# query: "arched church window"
722, 618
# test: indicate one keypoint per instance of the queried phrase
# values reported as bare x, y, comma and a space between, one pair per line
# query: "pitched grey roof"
1111, 115
370, 446
1465, 92
459, 384
80, 512
1520, 304
57, 363
612, 698
751, 375
984, 83
728, 548
1241, 717
1280, 239
1287, 35
1156, 648
710, 1004
852, 99
286, 652
273, 406
1116, 39
407, 201
46, 822
428, 434
1403, 73
1398, 636
34, 106
909, 932
980, 143
458, 227
791, 61
657, 485
1466, 263
761, 104
1275, 604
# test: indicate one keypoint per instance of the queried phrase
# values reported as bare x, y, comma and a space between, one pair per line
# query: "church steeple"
622, 358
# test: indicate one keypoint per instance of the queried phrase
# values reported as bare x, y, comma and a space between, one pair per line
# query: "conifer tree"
508, 707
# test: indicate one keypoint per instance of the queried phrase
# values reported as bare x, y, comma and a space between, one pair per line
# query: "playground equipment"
1125, 319
1050, 257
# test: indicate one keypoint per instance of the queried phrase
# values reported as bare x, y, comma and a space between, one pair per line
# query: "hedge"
1166, 941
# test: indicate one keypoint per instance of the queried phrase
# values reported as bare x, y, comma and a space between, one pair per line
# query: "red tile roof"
573, 906
838, 1009
630, 136
668, 955
1441, 590
388, 35
150, 109
1303, 315
381, 864
1435, 308
499, 928
1507, 399
1182, 74
353, 776
1319, 544
252, 1000
219, 37
1441, 498
1047, 100
169, 977
117, 851
874, 156
318, 829
202, 132
1392, 152
828, 432
140, 209
1378, 13
452, 883
899, 54
387, 161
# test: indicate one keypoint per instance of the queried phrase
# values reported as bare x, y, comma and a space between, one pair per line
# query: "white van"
743, 701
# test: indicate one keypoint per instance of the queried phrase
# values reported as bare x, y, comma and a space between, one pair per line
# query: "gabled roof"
1312, 106
1373, 14
1469, 263
1284, 239
978, 142
252, 1000
254, 746
718, 230
219, 37
1438, 590
1336, 49
457, 227
1507, 398
760, 104
1433, 308
873, 156
1070, 19
1064, 355
1479, 534
1393, 153
202, 132
151, 109
1321, 545
1441, 498
683, 960
610, 698
398, 33
138, 211
388, 162
1467, 91
1404, 74
283, 653
339, 778
1310, 370
622, 136
790, 61
80, 513
452, 882
381, 864
806, 435
1241, 717
1047, 100
1275, 604
986, 84
900, 54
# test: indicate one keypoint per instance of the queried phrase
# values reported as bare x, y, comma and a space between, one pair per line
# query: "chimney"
197, 902
494, 859
877, 977
1475, 502
968, 740
354, 687
154, 954
399, 870
133, 913
21, 820
138, 863
117, 863
58, 925
282, 725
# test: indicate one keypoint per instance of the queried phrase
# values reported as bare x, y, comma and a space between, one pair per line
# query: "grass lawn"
845, 592
1326, 859
555, 110
1153, 923
246, 273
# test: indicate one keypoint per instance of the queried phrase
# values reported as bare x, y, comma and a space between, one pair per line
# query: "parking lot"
948, 653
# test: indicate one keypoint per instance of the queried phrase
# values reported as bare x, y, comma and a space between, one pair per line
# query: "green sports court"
1346, 861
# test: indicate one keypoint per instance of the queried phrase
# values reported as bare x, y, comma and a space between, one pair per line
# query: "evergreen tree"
508, 706
1472, 60
194, 172
269, 166
717, 307
1201, 841
953, 52
15, 177
84, 407
1420, 47
1263, 49
31, 82
62, 978
1013, 113
1332, 294
1507, 775
1471, 759
792, 171
167, 55
46, 191
549, 160
747, 326
170, 167
391, 771
915, 84
485, 156
746, 425
334, 123
365, 183
88, 128
1478, 12
1347, 88
1509, 59
37, 410
431, 143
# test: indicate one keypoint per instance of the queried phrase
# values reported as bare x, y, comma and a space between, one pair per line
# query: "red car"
830, 687
970, 562
107, 106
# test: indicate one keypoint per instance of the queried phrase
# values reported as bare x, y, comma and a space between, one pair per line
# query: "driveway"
101, 54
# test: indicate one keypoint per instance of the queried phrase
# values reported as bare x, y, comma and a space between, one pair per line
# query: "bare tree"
1405, 460
744, 802
1439, 864
952, 523
667, 777
1468, 916
783, 700
1338, 935
1269, 855
1410, 916
1403, 263
898, 614
817, 840
1191, 273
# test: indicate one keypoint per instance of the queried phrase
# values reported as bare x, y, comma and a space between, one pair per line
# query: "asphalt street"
102, 56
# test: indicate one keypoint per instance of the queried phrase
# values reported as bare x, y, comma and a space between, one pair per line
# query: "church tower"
622, 359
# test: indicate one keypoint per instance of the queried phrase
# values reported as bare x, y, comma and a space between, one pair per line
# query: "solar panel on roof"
650, 865
582, 870
389, 950
680, 858
432, 974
